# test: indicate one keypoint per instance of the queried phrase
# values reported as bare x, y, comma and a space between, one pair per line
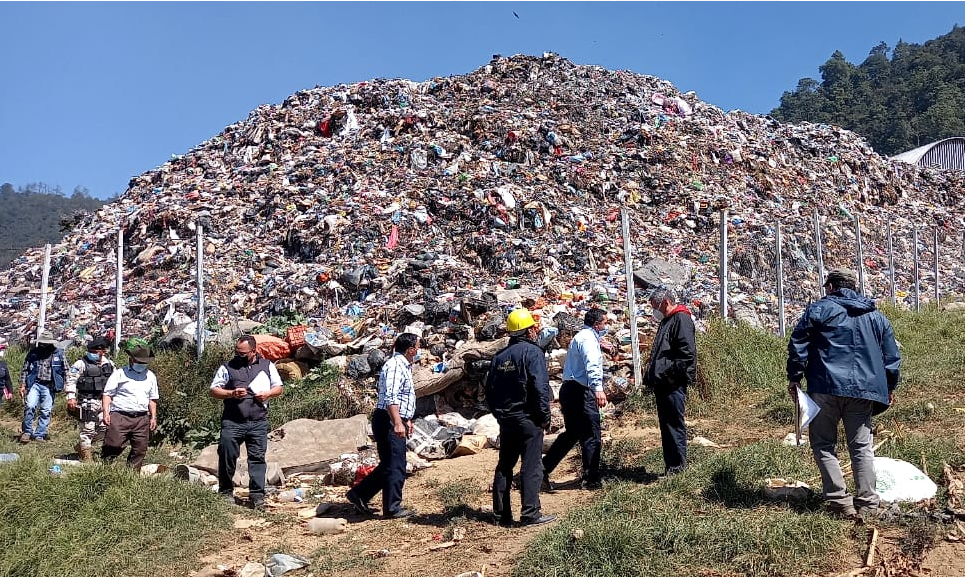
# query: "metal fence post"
780, 286
119, 290
199, 329
891, 266
917, 288
820, 250
723, 263
42, 321
937, 290
860, 254
631, 301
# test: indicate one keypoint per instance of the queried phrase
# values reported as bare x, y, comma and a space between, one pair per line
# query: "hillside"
345, 203
899, 103
34, 215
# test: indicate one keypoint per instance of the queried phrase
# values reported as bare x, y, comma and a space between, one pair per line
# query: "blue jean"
42, 395
254, 434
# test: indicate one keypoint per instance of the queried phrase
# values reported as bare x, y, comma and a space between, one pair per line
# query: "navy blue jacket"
845, 347
518, 385
31, 366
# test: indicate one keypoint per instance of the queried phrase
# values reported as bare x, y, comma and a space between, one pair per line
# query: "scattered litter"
783, 489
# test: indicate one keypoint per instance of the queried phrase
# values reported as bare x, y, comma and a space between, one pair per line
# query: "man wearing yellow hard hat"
518, 392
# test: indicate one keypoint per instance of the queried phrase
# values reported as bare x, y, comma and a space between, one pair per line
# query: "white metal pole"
820, 252
860, 254
937, 291
780, 286
631, 300
891, 266
723, 264
42, 321
199, 329
917, 288
119, 290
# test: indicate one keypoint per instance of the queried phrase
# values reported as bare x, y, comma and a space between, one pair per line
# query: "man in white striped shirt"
391, 425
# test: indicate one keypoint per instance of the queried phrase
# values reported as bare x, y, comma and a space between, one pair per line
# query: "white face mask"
657, 315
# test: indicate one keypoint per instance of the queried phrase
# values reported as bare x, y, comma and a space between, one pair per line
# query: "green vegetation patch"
102, 521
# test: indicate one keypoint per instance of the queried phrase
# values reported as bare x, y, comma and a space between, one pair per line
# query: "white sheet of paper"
809, 409
260, 384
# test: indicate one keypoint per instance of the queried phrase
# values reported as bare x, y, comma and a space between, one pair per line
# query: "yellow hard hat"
519, 320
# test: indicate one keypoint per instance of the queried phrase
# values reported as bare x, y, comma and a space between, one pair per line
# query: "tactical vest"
94, 378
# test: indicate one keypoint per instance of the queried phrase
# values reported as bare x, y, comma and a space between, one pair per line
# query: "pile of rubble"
374, 206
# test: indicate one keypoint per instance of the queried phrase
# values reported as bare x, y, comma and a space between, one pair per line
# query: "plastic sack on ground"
271, 347
902, 481
281, 564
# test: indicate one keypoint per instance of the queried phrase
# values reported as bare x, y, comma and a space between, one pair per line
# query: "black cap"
98, 344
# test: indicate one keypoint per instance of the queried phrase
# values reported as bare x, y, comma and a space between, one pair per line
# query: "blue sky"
92, 94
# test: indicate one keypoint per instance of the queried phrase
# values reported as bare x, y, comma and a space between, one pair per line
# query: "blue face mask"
94, 356
139, 367
417, 356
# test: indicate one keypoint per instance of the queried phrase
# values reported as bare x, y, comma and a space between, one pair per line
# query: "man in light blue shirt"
391, 425
581, 398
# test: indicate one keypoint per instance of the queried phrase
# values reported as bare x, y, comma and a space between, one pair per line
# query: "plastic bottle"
291, 495
7, 457
327, 525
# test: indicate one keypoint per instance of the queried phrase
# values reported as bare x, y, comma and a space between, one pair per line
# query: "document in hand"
260, 384
809, 409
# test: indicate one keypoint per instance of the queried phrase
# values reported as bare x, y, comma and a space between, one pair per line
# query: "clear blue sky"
92, 94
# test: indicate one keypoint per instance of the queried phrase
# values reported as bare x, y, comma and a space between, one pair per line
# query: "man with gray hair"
847, 351
671, 369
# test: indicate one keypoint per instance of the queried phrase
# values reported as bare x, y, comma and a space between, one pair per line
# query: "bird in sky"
515, 14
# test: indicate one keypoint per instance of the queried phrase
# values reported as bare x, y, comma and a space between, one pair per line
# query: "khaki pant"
92, 425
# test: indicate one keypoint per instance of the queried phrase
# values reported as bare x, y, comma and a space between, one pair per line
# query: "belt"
132, 414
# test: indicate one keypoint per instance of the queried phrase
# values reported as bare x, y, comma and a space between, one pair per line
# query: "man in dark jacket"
43, 374
6, 383
517, 390
672, 368
245, 383
847, 351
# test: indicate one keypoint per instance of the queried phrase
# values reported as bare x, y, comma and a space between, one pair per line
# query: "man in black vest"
85, 388
245, 383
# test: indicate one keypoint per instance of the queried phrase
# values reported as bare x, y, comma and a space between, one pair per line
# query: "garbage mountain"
368, 206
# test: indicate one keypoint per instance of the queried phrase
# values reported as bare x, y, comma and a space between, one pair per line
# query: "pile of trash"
436, 206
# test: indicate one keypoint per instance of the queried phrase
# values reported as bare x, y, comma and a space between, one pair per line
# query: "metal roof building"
948, 153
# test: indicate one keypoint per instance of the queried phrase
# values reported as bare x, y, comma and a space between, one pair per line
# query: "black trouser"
518, 437
581, 416
254, 434
389, 475
673, 429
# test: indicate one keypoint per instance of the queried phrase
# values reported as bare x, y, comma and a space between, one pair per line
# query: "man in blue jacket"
518, 392
846, 350
43, 374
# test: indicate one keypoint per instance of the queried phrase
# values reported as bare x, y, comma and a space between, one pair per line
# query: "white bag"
902, 481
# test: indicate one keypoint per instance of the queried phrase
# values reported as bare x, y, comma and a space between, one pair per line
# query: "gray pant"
856, 415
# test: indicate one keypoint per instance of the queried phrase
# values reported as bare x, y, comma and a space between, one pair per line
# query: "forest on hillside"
898, 99
36, 214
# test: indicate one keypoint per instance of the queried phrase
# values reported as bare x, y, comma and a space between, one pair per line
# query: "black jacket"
673, 358
5, 381
518, 384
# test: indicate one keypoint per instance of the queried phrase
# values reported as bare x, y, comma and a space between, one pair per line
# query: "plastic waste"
291, 495
327, 525
280, 563
8, 457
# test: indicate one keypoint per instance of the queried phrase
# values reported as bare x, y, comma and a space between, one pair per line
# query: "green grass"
712, 517
102, 521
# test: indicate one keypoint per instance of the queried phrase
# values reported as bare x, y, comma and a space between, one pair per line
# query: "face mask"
657, 315
139, 367
602, 332
241, 358
94, 356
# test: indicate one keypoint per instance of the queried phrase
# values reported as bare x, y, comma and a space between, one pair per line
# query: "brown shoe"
85, 453
24, 438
